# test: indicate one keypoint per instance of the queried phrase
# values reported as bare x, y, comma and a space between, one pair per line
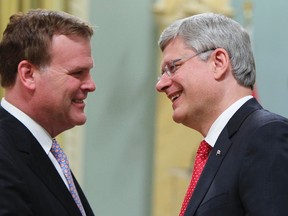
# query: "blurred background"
130, 157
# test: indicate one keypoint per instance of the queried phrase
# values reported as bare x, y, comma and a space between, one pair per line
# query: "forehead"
64, 43
175, 49
176, 44
73, 50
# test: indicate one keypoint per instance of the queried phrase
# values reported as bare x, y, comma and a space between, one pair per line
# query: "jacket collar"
218, 153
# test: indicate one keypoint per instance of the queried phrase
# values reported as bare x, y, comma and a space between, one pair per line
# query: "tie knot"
55, 146
204, 148
57, 151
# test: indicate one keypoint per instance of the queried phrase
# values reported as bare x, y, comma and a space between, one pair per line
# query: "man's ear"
26, 73
221, 63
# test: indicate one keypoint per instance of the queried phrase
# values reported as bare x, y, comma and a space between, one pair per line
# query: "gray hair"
209, 31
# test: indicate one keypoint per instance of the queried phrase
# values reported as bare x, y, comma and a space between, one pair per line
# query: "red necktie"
200, 161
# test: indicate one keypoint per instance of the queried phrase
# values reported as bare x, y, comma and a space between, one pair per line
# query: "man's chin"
177, 118
80, 120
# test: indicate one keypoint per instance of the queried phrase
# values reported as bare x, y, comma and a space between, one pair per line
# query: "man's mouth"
78, 101
174, 97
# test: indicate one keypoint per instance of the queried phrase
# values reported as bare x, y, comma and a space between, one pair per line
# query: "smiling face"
190, 88
62, 87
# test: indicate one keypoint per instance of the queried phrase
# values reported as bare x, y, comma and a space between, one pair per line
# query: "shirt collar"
223, 119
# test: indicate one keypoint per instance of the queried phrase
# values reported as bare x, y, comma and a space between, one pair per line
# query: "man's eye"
172, 67
77, 73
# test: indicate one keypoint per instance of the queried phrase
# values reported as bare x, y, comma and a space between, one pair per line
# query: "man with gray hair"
208, 73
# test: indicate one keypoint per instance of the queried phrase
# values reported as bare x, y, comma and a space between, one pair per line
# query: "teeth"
175, 97
78, 101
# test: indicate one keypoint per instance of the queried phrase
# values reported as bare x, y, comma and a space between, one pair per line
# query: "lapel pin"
218, 153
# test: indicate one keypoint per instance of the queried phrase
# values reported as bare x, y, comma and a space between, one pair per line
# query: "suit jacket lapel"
41, 165
208, 174
218, 153
85, 203
35, 157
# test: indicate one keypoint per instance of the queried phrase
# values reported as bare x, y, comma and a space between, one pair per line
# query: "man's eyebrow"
170, 61
81, 68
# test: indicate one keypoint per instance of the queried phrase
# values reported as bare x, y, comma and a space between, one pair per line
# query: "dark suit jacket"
249, 174
29, 183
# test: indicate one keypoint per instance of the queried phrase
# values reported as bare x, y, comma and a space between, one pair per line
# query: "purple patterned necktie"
63, 161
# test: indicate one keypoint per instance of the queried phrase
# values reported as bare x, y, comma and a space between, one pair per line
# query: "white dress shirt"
38, 132
223, 119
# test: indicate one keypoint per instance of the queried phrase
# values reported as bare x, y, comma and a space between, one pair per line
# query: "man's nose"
163, 83
89, 84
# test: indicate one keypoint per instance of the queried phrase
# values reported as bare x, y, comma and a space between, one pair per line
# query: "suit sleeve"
13, 192
264, 177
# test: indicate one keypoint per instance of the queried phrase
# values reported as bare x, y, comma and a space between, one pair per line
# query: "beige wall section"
6, 9
79, 8
174, 154
175, 144
71, 140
